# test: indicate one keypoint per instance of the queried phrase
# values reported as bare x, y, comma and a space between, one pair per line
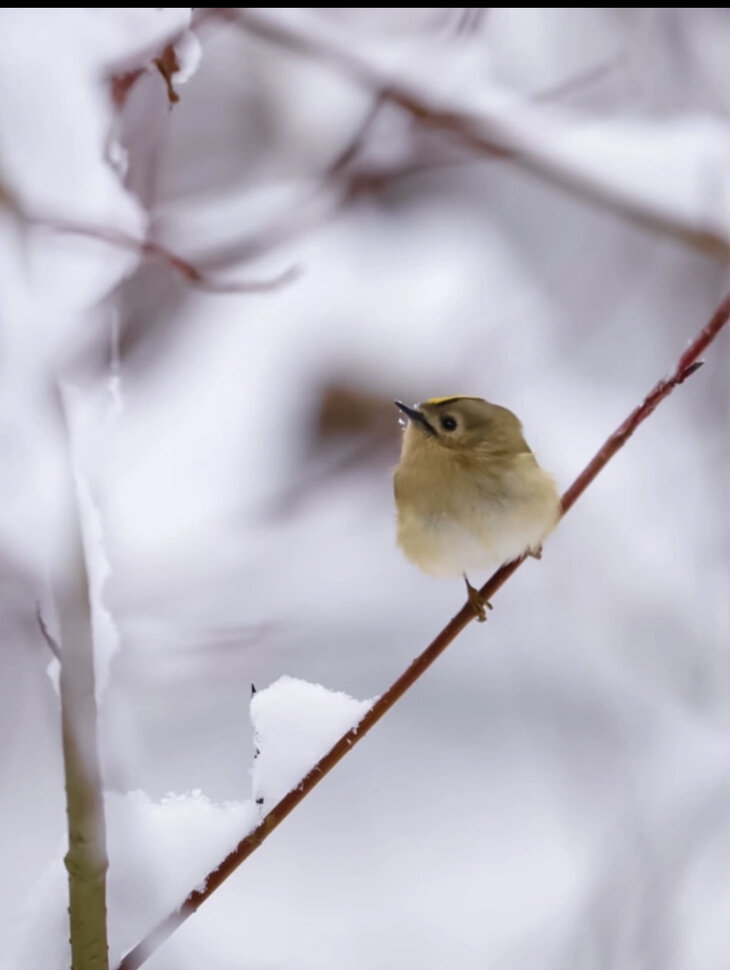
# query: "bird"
469, 493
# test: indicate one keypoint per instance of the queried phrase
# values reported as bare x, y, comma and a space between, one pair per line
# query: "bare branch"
687, 365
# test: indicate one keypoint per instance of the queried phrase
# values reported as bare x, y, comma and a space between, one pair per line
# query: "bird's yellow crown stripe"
453, 397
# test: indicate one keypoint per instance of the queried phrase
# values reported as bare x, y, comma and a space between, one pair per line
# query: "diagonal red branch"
688, 363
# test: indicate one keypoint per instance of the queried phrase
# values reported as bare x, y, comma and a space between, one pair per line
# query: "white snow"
295, 723
189, 52
177, 841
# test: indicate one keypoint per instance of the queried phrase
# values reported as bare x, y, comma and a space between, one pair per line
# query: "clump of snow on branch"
176, 840
295, 723
179, 839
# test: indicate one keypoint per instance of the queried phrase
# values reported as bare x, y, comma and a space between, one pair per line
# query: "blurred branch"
578, 83
51, 642
469, 19
631, 917
168, 65
314, 207
357, 142
148, 249
339, 183
686, 366
497, 137
336, 54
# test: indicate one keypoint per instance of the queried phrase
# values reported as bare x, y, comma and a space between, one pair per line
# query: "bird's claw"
477, 602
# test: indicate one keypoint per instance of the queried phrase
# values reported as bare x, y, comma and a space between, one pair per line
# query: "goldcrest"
469, 493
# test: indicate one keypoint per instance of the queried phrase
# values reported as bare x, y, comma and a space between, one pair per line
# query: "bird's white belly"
442, 546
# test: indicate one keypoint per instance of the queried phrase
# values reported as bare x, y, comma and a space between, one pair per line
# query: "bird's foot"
477, 601
535, 553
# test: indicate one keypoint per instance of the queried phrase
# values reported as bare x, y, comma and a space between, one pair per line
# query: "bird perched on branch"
469, 493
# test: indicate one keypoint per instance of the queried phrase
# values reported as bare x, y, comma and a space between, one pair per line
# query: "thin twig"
51, 641
688, 363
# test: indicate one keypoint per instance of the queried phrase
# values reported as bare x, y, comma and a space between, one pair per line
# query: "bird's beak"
413, 414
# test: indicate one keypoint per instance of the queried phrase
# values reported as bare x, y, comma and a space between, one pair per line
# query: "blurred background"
342, 207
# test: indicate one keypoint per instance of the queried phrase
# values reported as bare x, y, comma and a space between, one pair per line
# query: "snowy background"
555, 792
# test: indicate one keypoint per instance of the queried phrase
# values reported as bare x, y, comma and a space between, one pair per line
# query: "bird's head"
465, 425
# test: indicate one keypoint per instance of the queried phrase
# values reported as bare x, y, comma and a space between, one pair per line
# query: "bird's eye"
448, 423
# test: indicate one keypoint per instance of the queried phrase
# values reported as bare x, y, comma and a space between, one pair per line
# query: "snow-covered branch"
610, 162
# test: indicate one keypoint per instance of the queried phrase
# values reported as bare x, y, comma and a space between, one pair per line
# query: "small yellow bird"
468, 490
